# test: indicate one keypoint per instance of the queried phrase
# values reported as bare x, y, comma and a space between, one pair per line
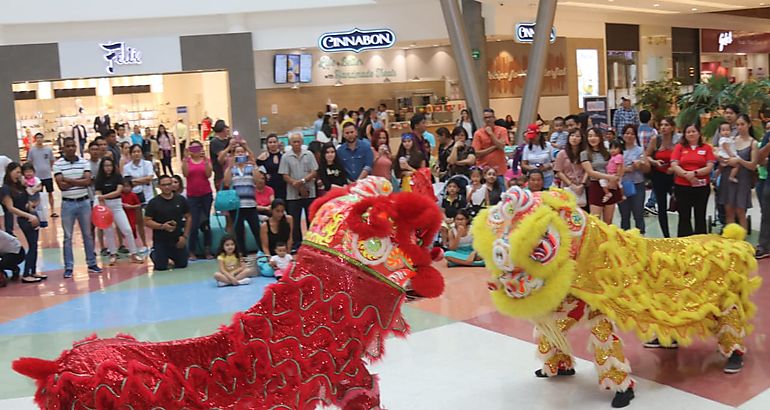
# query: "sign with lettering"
733, 41
127, 56
525, 33
508, 64
357, 40
121, 54
725, 39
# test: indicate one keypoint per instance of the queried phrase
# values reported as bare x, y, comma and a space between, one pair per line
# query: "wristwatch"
302, 180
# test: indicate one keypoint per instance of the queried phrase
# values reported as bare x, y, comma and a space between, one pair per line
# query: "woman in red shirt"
692, 162
659, 152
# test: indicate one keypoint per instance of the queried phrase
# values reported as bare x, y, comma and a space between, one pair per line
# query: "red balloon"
101, 217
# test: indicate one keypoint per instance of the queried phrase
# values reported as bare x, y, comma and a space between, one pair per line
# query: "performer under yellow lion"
553, 264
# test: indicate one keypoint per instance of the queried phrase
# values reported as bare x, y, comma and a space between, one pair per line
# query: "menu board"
280, 68
293, 68
305, 68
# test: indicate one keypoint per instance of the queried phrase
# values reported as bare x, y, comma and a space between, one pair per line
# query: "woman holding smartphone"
240, 176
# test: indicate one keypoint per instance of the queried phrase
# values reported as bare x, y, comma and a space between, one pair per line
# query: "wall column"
538, 56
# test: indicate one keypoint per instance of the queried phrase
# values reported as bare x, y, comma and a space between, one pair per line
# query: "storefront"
737, 55
414, 77
142, 81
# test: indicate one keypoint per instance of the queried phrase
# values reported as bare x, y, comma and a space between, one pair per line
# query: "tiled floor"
461, 354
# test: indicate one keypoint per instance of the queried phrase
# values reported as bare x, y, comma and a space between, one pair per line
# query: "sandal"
30, 279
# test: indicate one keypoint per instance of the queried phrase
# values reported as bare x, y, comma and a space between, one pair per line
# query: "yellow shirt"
231, 262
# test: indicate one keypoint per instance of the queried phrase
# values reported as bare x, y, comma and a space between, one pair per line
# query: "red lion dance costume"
304, 344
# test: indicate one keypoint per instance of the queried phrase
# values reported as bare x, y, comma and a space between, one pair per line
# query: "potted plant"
707, 99
658, 96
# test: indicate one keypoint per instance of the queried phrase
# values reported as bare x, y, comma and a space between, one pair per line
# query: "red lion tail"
37, 369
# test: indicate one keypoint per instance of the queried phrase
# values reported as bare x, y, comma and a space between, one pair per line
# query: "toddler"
614, 167
727, 148
34, 187
559, 136
282, 261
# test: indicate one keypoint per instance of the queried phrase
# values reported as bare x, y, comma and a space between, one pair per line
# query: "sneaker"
651, 209
113, 259
67, 273
734, 363
655, 344
222, 284
54, 215
122, 249
104, 252
94, 269
761, 253
244, 281
143, 250
136, 258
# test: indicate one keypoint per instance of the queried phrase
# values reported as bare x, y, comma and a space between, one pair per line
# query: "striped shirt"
243, 183
75, 169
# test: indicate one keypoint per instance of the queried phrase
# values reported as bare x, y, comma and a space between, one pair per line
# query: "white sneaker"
222, 284
244, 281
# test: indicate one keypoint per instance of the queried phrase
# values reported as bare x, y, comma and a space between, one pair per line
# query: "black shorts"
47, 184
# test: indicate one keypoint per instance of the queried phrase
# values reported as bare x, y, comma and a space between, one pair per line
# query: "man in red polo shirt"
489, 144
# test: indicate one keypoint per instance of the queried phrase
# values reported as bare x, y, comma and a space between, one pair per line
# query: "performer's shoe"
734, 363
655, 344
623, 398
561, 372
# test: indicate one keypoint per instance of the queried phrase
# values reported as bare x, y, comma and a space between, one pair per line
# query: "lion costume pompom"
558, 267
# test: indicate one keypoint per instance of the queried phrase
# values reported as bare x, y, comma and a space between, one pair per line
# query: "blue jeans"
652, 201
80, 211
31, 234
200, 208
633, 205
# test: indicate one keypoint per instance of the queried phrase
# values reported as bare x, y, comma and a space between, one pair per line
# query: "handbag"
227, 199
580, 198
629, 189
672, 204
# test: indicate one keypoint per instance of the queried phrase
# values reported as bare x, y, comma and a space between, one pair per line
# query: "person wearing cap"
538, 155
489, 144
218, 149
625, 115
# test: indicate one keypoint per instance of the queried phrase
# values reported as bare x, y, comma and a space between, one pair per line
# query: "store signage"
525, 33
725, 39
119, 53
357, 40
732, 41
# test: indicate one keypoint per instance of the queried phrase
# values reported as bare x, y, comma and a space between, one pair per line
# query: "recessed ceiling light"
694, 9
499, 39
656, 5
435, 45
761, 4
413, 45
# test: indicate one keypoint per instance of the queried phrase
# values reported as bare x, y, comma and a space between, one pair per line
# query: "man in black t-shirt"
217, 145
165, 215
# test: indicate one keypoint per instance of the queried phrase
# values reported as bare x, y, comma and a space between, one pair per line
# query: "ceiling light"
615, 8
413, 45
499, 39
694, 9
435, 45
656, 5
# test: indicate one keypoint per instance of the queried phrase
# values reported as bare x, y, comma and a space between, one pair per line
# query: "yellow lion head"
529, 242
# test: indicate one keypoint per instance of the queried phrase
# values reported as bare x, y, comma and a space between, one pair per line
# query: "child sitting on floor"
232, 270
281, 261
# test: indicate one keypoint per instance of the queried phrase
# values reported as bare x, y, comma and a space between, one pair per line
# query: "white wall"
654, 52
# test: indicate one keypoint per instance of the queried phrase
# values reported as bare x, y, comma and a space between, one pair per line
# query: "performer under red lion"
304, 344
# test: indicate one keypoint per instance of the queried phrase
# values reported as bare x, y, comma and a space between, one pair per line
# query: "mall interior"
263, 69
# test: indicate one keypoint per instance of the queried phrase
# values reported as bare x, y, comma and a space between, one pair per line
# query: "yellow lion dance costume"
558, 267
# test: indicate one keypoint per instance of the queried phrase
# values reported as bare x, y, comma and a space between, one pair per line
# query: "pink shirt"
614, 165
197, 183
263, 197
